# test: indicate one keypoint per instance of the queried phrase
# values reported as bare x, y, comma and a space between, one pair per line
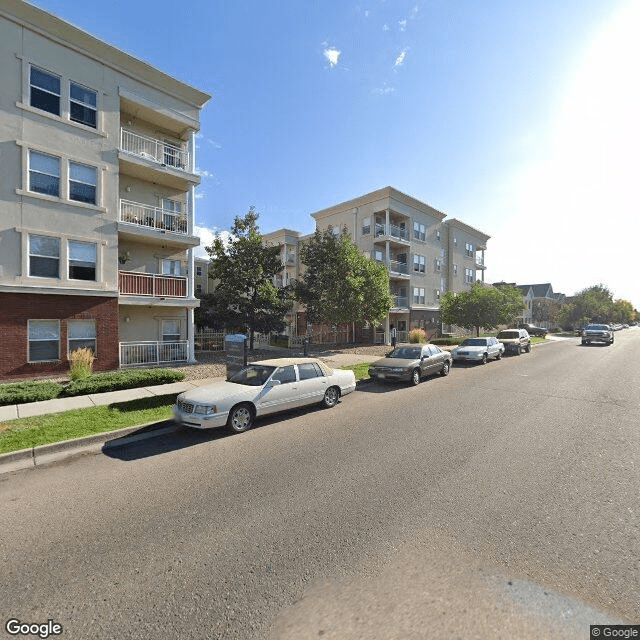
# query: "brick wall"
17, 308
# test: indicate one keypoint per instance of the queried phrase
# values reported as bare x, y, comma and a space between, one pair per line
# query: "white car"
261, 388
478, 350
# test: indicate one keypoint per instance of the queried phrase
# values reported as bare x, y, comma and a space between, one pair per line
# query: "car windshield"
406, 353
508, 334
253, 375
474, 342
598, 327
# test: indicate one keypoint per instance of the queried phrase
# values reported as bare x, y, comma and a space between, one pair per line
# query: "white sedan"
478, 350
262, 388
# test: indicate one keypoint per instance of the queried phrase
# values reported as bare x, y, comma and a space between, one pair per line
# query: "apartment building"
425, 254
97, 184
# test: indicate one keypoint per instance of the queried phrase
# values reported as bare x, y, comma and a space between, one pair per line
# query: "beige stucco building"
97, 179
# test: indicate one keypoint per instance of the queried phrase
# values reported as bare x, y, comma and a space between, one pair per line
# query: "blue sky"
518, 117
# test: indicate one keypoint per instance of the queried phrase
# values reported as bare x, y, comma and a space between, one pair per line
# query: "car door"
429, 360
312, 383
282, 396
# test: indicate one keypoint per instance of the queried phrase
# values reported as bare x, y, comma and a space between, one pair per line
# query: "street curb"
47, 454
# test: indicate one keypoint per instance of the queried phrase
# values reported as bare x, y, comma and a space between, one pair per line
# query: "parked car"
478, 350
597, 333
532, 330
515, 340
262, 388
410, 363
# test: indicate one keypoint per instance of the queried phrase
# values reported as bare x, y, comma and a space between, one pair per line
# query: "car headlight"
204, 409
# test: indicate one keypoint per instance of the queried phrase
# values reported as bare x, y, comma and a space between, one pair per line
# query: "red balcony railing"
151, 284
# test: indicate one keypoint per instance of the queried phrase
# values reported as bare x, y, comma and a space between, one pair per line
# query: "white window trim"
95, 324
95, 244
29, 321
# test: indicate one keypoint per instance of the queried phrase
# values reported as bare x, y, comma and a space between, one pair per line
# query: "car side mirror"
273, 383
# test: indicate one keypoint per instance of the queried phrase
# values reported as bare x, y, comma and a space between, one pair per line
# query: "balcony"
398, 267
159, 151
133, 354
152, 285
393, 232
400, 302
153, 217
480, 262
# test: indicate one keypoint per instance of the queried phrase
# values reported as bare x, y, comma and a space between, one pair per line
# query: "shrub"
22, 392
417, 336
447, 341
81, 363
101, 382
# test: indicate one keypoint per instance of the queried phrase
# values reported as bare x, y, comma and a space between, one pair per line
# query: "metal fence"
135, 354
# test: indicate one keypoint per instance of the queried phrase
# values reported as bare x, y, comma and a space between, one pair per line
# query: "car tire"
446, 367
241, 418
415, 377
518, 350
528, 348
484, 358
331, 397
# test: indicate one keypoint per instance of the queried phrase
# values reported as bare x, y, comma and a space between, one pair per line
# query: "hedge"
23, 392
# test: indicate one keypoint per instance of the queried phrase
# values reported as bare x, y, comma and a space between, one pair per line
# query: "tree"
243, 270
481, 306
340, 284
593, 304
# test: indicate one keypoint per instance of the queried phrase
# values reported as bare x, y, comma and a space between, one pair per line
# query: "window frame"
73, 83
30, 171
33, 87
70, 181
95, 264
70, 323
30, 255
164, 334
30, 340
419, 231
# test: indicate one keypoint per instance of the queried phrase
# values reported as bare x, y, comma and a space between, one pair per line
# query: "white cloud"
400, 59
385, 27
207, 235
366, 13
332, 55
214, 144
384, 90
402, 24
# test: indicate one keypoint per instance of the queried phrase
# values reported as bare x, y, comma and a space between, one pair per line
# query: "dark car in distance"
532, 330
410, 363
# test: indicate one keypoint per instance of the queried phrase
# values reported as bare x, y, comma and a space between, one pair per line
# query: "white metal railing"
480, 261
134, 354
400, 301
158, 151
398, 267
401, 336
398, 232
152, 217
151, 284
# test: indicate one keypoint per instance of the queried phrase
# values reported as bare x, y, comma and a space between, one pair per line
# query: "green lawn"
361, 370
56, 427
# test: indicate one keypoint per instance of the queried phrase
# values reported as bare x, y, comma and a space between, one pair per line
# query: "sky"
520, 118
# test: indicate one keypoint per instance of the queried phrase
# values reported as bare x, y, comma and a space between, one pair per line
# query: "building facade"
97, 200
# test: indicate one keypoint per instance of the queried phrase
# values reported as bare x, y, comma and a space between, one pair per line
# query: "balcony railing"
398, 267
400, 301
153, 217
392, 230
152, 285
155, 150
480, 261
133, 354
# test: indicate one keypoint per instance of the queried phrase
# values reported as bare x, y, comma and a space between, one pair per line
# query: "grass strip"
24, 433
361, 370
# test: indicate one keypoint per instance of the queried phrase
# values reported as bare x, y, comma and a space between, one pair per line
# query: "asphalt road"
502, 501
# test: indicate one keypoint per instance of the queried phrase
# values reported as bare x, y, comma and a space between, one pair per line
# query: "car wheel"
499, 355
331, 397
415, 377
240, 418
528, 348
445, 369
484, 358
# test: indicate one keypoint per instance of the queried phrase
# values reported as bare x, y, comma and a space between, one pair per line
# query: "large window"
170, 330
366, 226
82, 183
419, 231
418, 263
44, 91
44, 256
82, 260
171, 268
44, 340
81, 334
468, 275
44, 174
82, 105
468, 250
418, 295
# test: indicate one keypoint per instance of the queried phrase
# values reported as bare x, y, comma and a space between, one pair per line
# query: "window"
82, 105
170, 330
285, 374
438, 235
455, 269
378, 255
309, 370
418, 263
468, 275
44, 257
198, 289
418, 295
44, 91
82, 261
366, 226
81, 334
44, 174
199, 272
455, 241
44, 340
82, 183
419, 231
437, 264
468, 250
171, 268
436, 293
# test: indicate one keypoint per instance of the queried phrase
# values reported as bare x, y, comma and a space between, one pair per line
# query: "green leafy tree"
593, 304
243, 269
340, 284
481, 306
